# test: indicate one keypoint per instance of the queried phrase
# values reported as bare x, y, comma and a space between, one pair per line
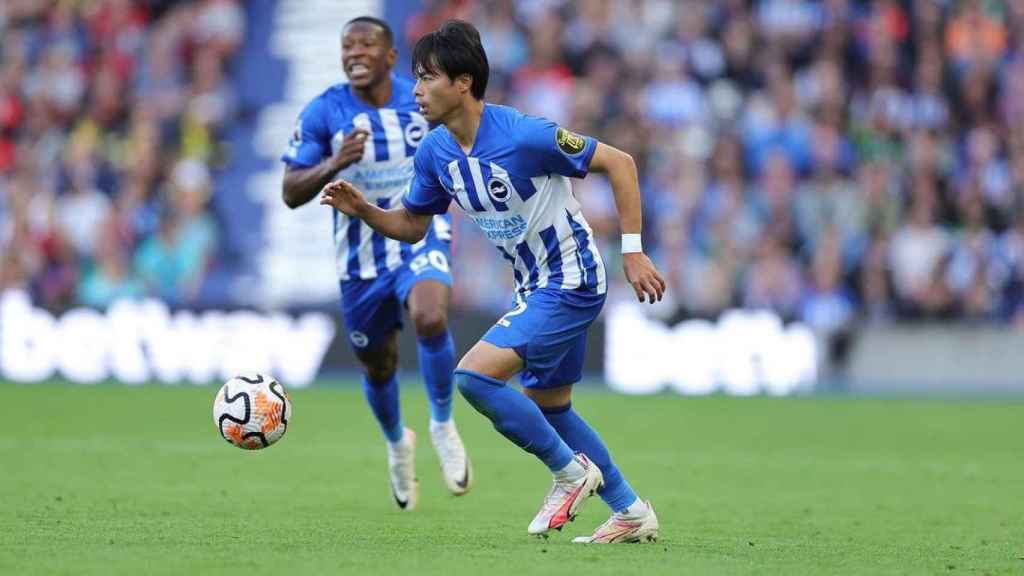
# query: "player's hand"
351, 150
643, 277
344, 197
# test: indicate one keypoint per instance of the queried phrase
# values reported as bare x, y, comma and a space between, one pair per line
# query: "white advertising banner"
143, 341
743, 353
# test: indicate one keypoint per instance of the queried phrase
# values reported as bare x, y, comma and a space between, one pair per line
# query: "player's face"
436, 95
366, 56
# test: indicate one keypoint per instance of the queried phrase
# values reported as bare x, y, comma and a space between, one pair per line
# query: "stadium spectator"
827, 159
833, 160
111, 118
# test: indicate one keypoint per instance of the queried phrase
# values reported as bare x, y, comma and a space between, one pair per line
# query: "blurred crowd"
838, 161
110, 113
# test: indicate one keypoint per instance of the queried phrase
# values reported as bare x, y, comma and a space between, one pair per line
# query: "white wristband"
631, 243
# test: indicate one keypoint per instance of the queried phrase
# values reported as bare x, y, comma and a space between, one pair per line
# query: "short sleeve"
551, 149
425, 194
311, 141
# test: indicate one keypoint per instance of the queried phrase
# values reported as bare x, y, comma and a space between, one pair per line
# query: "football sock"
580, 437
383, 400
437, 360
572, 471
637, 508
516, 417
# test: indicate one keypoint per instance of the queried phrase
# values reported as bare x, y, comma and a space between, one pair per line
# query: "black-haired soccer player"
510, 173
367, 131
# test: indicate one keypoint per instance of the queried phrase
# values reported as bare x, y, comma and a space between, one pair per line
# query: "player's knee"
380, 375
550, 398
464, 382
474, 389
429, 323
380, 368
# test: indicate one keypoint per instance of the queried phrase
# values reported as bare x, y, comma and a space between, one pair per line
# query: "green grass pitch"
135, 480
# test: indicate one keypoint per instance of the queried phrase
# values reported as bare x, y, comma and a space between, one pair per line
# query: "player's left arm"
407, 223
620, 169
397, 223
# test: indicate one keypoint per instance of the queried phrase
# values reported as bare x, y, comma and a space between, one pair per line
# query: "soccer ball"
252, 411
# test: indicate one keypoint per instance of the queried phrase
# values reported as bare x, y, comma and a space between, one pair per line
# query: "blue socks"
550, 434
575, 431
516, 417
437, 360
383, 400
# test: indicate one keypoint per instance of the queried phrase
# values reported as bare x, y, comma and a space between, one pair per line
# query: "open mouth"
356, 71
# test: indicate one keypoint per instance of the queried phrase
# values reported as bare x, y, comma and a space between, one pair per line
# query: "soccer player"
367, 131
510, 173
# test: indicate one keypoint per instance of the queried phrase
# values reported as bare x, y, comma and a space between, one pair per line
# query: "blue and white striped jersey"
382, 174
515, 184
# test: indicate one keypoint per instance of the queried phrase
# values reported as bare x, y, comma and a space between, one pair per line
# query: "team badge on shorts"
359, 340
568, 142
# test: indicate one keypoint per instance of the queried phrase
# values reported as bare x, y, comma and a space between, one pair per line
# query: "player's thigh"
548, 331
428, 307
501, 353
490, 360
548, 379
372, 316
423, 284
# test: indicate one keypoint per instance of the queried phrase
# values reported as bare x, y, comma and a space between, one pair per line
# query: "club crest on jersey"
499, 189
414, 133
569, 142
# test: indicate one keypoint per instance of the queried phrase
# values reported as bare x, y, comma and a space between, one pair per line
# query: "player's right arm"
302, 184
309, 164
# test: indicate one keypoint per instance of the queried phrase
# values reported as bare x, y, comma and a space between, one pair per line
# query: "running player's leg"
556, 404
424, 285
380, 385
481, 378
428, 308
632, 519
372, 319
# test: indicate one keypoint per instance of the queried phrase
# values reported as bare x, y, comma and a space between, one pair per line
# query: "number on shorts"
434, 258
519, 309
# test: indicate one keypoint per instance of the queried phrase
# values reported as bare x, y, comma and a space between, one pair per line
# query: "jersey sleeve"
425, 194
311, 141
551, 149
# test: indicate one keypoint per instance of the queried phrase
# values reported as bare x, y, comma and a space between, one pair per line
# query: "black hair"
453, 49
389, 37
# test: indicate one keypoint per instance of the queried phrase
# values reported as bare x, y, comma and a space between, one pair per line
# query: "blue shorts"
549, 332
372, 309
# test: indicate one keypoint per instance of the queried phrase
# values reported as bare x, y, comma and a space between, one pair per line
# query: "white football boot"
566, 496
455, 465
402, 469
625, 527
